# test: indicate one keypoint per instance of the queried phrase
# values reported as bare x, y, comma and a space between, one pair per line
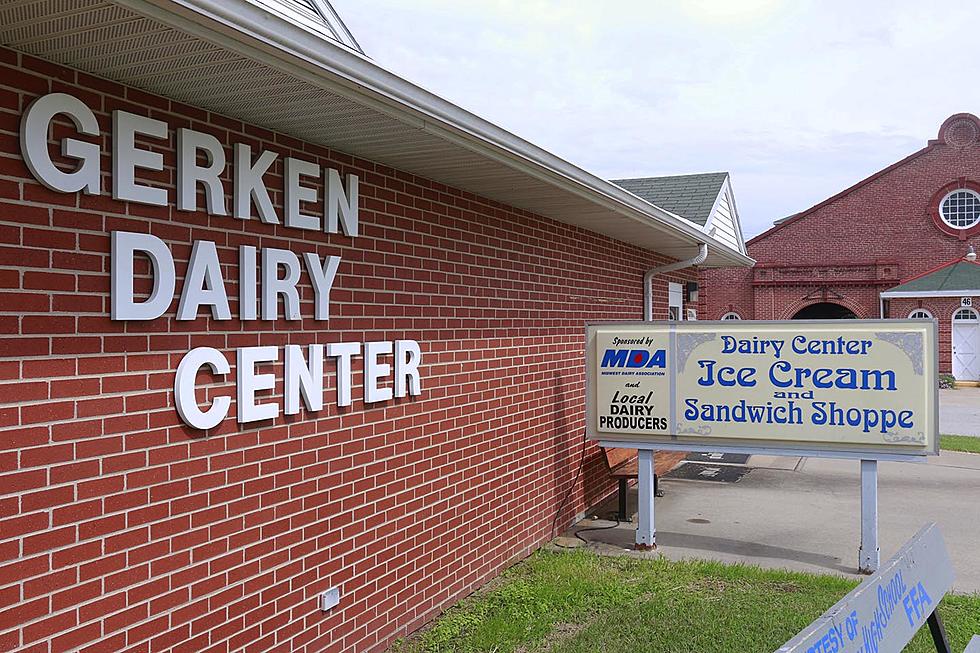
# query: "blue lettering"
614, 358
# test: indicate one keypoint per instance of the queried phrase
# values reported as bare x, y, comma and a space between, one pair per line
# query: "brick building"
277, 321
895, 245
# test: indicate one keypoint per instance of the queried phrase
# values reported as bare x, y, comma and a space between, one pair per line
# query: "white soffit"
236, 58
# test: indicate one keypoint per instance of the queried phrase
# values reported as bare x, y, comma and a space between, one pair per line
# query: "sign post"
884, 612
646, 532
868, 555
865, 390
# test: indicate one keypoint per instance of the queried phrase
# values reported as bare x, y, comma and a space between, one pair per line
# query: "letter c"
185, 384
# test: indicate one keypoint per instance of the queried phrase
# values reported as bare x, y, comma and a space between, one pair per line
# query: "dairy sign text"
854, 386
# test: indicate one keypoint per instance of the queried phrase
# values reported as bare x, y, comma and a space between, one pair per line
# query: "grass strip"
966, 443
578, 601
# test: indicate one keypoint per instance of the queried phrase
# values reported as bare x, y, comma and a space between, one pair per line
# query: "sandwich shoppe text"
265, 275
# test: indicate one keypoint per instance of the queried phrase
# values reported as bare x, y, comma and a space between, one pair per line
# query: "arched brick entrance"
824, 311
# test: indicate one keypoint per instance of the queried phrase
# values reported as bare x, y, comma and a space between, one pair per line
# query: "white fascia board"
736, 219
255, 33
930, 293
726, 190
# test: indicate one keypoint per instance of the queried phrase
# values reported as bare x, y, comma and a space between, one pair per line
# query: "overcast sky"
798, 100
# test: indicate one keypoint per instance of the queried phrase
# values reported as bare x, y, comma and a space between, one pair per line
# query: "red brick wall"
123, 530
887, 220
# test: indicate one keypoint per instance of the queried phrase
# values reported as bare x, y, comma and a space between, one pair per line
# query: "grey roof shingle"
689, 196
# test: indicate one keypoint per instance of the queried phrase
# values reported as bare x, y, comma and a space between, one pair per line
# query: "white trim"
942, 215
726, 191
931, 293
252, 31
929, 315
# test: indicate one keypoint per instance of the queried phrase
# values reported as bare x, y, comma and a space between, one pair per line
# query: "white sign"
861, 387
266, 279
884, 612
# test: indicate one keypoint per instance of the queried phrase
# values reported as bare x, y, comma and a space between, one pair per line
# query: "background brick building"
841, 257
124, 529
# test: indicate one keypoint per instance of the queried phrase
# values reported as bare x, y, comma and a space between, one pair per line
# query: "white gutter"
309, 56
930, 293
662, 269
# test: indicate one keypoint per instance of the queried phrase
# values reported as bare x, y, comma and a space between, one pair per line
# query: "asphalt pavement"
959, 412
804, 514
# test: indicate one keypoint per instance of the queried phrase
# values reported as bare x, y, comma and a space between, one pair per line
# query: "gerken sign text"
858, 386
203, 286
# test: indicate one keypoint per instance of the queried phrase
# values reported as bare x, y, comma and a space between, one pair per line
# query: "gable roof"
959, 130
961, 276
318, 15
791, 219
690, 196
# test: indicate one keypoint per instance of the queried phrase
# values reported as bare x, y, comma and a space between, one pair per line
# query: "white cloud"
798, 100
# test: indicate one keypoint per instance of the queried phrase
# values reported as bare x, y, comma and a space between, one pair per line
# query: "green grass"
577, 601
959, 443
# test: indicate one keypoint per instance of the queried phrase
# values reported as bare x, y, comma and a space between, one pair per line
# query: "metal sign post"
868, 555
646, 528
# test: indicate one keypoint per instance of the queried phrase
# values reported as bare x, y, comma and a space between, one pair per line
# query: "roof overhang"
930, 293
236, 58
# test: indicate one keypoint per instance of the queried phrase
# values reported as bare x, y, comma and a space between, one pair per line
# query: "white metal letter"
203, 284
343, 351
294, 169
34, 144
322, 277
247, 283
249, 383
250, 185
303, 378
185, 383
126, 157
273, 286
408, 355
343, 203
189, 173
375, 370
124, 245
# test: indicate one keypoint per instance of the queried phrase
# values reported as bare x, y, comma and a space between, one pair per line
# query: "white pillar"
868, 558
646, 528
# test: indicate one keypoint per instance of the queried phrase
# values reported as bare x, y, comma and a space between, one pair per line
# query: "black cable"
578, 472
578, 534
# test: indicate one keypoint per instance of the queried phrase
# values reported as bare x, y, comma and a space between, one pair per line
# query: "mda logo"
634, 358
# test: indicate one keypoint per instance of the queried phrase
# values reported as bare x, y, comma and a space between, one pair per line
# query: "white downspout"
701, 257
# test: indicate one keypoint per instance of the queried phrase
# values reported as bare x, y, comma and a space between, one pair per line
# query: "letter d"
125, 244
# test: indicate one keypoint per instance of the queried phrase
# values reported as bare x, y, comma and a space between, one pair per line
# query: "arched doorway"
825, 311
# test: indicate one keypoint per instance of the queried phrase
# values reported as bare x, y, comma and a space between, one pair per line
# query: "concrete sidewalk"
959, 412
804, 514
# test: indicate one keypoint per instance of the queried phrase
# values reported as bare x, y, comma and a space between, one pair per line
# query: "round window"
731, 316
920, 314
960, 209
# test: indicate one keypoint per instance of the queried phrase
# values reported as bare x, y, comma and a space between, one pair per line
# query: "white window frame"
675, 301
974, 316
731, 315
928, 314
942, 213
